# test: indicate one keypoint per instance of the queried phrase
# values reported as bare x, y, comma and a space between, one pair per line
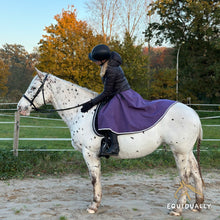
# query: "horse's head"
36, 95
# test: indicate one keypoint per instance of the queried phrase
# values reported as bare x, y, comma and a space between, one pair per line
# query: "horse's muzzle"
23, 110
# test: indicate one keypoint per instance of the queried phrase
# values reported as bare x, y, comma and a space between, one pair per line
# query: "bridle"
41, 88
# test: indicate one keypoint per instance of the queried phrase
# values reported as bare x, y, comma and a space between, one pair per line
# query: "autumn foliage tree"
64, 50
161, 57
4, 73
19, 64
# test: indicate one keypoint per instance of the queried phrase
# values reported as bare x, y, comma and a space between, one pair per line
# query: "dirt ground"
126, 195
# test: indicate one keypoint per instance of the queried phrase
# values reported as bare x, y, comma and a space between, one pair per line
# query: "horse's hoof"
195, 210
90, 211
173, 213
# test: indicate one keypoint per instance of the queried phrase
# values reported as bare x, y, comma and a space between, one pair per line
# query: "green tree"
163, 84
196, 24
64, 50
135, 63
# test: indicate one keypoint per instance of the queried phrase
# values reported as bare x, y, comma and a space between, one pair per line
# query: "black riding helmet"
100, 52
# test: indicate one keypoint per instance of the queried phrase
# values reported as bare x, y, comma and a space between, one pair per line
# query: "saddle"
95, 121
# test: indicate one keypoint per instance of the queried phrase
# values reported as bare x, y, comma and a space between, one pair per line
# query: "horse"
180, 128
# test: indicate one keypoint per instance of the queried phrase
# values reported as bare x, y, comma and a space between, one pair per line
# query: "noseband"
41, 88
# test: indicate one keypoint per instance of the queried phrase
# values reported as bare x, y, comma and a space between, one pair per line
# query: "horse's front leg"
94, 166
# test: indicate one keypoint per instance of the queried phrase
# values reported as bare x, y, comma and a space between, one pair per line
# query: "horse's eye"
33, 88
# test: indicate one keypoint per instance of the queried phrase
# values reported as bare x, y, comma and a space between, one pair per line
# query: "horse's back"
181, 115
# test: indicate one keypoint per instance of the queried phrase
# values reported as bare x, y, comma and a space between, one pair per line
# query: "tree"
161, 57
112, 18
134, 63
64, 50
4, 74
131, 15
196, 24
104, 16
20, 67
163, 84
182, 21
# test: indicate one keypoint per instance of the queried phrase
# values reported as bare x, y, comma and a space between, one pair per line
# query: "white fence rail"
17, 127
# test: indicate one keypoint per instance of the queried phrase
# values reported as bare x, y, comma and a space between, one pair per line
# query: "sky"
23, 21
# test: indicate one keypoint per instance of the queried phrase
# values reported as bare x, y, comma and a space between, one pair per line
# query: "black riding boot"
109, 147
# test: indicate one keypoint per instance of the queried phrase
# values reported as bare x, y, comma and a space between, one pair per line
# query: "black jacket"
114, 80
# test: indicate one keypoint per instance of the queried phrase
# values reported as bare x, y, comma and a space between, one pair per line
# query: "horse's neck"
65, 95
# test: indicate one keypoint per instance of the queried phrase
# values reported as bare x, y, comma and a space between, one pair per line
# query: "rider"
114, 82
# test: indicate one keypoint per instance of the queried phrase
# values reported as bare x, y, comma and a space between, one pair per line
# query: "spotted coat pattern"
180, 128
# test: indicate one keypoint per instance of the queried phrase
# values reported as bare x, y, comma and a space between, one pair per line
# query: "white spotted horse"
179, 128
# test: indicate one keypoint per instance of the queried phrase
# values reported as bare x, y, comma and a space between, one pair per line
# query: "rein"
41, 88
56, 110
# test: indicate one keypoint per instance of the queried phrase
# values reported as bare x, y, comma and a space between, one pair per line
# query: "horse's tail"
199, 139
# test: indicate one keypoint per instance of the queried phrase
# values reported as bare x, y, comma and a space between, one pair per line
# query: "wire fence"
17, 127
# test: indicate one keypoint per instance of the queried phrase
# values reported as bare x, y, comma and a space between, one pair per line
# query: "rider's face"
98, 63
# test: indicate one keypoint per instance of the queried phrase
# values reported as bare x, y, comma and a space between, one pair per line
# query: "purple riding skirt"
128, 112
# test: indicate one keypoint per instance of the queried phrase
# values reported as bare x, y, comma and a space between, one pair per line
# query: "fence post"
16, 134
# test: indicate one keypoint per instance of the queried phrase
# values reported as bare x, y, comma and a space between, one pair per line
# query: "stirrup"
105, 143
112, 150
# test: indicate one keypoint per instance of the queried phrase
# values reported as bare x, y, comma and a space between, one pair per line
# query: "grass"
63, 218
33, 163
6, 131
59, 163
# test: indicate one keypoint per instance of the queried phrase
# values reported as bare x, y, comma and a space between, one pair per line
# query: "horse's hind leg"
198, 181
182, 162
94, 166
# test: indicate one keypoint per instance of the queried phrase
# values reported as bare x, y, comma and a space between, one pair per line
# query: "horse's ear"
40, 74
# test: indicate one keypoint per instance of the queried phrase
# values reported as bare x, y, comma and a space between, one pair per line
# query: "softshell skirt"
128, 112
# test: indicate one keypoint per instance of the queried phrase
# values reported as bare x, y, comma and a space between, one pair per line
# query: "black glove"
87, 106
